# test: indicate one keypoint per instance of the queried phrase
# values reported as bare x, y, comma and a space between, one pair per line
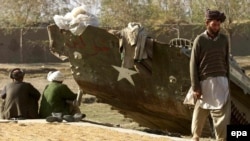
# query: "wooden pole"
21, 45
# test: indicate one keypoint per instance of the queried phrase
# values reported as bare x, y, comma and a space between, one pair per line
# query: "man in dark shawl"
20, 98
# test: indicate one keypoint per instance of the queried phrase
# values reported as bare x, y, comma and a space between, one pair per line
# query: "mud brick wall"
34, 46
240, 36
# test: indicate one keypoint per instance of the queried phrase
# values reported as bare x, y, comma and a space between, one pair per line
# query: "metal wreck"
152, 91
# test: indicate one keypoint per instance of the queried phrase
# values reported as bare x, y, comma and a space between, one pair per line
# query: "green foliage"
118, 13
114, 13
147, 12
23, 13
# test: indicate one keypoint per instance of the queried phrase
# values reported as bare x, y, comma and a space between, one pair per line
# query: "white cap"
56, 76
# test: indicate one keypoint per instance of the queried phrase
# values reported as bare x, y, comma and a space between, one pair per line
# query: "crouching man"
20, 98
58, 101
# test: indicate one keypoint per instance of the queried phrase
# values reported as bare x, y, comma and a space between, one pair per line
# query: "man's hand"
197, 94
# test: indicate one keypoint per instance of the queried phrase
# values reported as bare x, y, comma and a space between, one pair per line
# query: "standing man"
209, 71
20, 98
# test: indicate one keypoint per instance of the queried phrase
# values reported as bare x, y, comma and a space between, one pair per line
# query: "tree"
92, 6
148, 12
235, 10
15, 12
119, 14
26, 13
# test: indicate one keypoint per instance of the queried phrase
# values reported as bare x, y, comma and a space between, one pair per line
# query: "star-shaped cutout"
125, 73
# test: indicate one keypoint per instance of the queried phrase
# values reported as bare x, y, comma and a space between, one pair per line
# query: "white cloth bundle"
76, 21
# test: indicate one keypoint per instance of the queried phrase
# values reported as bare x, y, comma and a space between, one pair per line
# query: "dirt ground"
66, 132
96, 112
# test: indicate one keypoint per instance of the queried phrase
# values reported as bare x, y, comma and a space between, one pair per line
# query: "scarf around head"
215, 15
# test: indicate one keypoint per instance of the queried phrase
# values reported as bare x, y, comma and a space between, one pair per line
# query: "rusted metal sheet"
153, 98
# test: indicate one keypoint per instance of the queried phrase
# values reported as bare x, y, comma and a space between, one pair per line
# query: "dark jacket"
20, 100
54, 99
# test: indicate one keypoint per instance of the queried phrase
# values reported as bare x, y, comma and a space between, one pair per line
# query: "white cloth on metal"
76, 21
132, 44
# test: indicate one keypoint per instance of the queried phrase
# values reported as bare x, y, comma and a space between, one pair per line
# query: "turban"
215, 15
55, 76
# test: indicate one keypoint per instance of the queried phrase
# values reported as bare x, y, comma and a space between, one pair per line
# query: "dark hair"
17, 74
